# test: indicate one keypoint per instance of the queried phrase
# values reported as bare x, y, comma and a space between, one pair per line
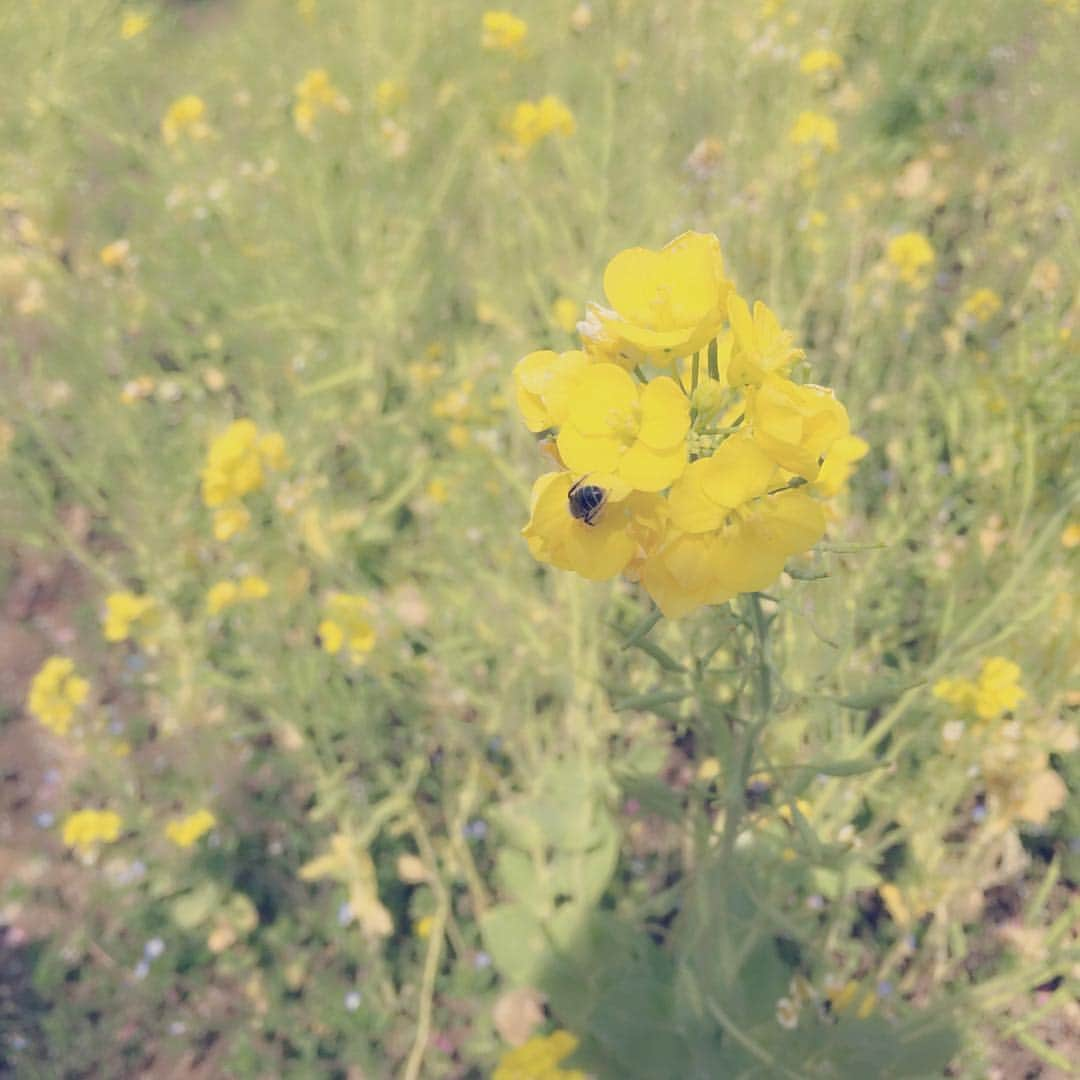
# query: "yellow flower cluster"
347, 625
55, 693
911, 257
532, 121
314, 94
743, 453
235, 466
821, 62
502, 31
123, 610
185, 118
995, 692
815, 130
224, 594
981, 306
539, 1059
187, 831
85, 829
133, 23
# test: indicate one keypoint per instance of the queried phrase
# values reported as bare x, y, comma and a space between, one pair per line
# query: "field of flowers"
539, 543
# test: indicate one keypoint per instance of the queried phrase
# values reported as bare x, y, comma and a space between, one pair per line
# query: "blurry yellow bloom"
727, 534
1070, 538
664, 304
133, 23
502, 31
815, 130
423, 927
539, 1058
458, 436
390, 94
223, 594
123, 610
839, 465
795, 425
85, 829
115, 254
996, 691
189, 830
821, 62
314, 93
437, 491
347, 625
235, 462
55, 693
230, 521
981, 305
543, 382
185, 117
532, 121
625, 528
564, 313
349, 862
911, 256
760, 346
615, 426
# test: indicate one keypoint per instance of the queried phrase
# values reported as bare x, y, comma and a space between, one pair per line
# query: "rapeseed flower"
501, 31
314, 94
982, 305
187, 831
224, 594
84, 830
115, 254
390, 94
663, 304
821, 62
636, 434
995, 692
543, 382
539, 1059
123, 611
911, 257
235, 466
185, 118
532, 121
760, 346
839, 465
56, 692
815, 130
347, 626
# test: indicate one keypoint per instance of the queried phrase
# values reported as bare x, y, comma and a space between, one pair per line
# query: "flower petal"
646, 469
602, 395
665, 414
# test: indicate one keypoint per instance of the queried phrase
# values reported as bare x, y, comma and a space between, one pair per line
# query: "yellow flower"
543, 382
664, 304
115, 254
532, 121
760, 346
347, 625
614, 426
423, 927
133, 23
839, 464
185, 117
996, 691
233, 465
795, 425
539, 1059
911, 255
390, 94
815, 130
981, 305
627, 524
189, 830
564, 313
503, 31
728, 534
55, 693
1070, 536
821, 62
123, 610
230, 521
223, 594
314, 93
85, 829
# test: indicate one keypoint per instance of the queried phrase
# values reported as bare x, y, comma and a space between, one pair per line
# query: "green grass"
369, 305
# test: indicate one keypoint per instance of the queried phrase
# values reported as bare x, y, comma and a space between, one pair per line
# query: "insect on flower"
586, 501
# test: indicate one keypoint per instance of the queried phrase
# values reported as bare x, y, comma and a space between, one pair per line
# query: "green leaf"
194, 908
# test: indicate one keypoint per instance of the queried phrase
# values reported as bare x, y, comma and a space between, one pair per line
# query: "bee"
586, 501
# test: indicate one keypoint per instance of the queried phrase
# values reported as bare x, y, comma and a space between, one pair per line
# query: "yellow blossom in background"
532, 121
187, 831
663, 304
995, 692
502, 31
185, 118
133, 23
84, 830
423, 927
1070, 537
911, 256
628, 524
230, 521
565, 313
55, 694
634, 433
760, 346
115, 254
390, 94
315, 93
543, 383
123, 610
821, 62
813, 129
981, 305
539, 1059
347, 626
224, 594
235, 466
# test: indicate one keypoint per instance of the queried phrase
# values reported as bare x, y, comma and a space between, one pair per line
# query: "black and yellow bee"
586, 501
